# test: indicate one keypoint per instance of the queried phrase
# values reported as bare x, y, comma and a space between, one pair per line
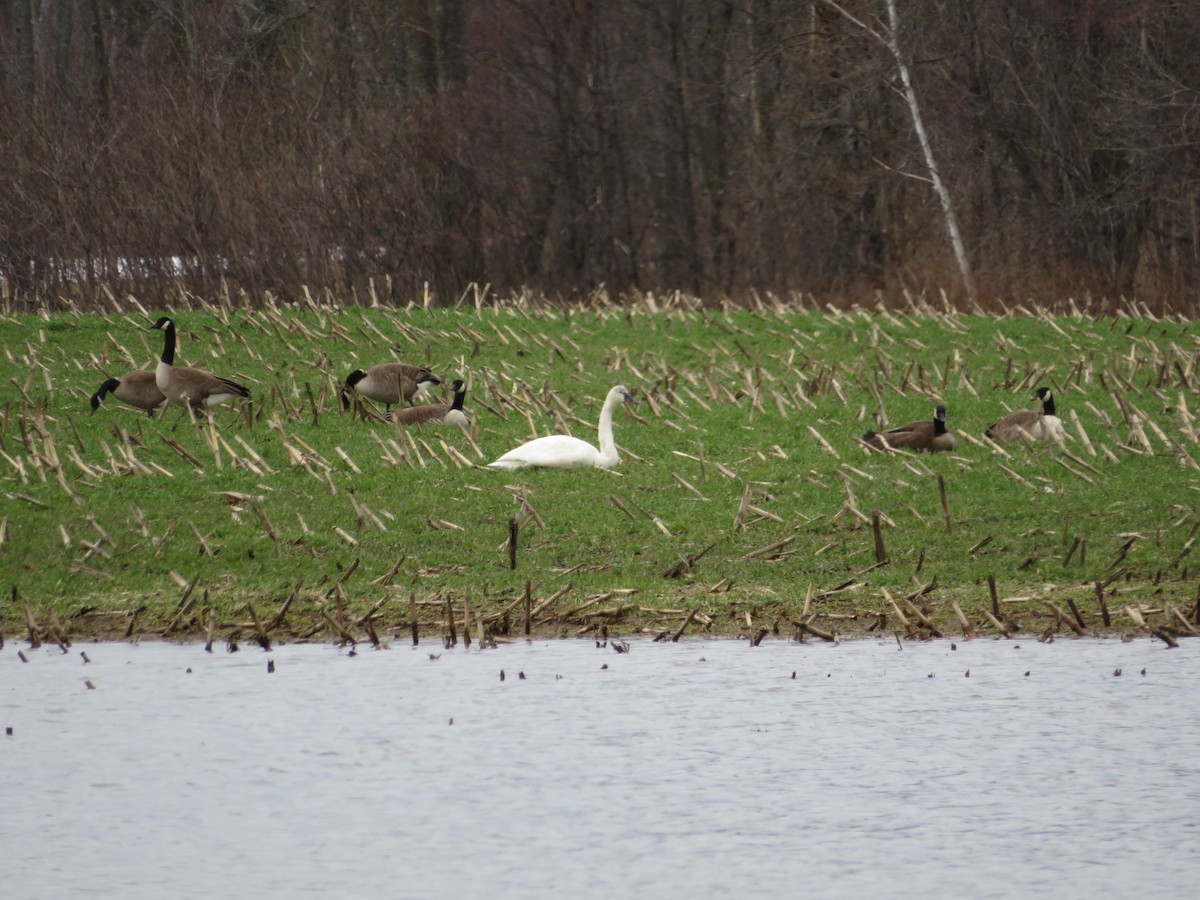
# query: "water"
699, 769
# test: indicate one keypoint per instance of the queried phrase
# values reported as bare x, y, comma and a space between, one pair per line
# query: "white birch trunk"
910, 96
891, 40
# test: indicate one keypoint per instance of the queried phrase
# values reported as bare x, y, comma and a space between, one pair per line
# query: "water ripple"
997, 769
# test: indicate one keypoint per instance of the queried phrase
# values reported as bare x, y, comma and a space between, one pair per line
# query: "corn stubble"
744, 502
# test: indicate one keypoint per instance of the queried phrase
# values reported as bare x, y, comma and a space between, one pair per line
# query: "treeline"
713, 146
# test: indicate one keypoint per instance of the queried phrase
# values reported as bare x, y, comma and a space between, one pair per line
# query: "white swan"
561, 451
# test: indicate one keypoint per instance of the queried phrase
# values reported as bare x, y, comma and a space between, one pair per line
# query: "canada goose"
135, 388
192, 387
436, 413
389, 383
929, 434
561, 451
1039, 425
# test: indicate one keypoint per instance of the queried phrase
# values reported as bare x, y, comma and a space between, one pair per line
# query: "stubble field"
743, 504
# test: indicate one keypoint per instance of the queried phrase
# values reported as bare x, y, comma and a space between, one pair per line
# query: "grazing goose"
1039, 425
191, 387
436, 413
930, 435
561, 451
389, 383
138, 389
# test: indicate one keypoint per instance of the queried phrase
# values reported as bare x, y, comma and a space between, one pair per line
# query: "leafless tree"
398, 150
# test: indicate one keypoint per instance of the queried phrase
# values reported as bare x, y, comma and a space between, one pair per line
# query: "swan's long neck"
608, 447
168, 354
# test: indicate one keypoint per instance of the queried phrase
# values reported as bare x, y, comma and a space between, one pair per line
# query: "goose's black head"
167, 327
939, 421
1047, 397
110, 385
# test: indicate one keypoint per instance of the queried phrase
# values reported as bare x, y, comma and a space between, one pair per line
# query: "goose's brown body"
137, 389
191, 387
436, 413
1038, 424
929, 435
390, 383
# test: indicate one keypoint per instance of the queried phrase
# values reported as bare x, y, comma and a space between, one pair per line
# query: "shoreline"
315, 630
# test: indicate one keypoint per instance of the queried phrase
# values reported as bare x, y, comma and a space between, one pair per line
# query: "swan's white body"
561, 451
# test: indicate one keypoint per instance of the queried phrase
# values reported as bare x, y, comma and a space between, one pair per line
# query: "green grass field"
743, 493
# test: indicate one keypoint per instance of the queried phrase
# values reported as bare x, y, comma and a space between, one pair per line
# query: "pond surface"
698, 769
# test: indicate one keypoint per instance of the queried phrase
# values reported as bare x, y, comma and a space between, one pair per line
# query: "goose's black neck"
105, 389
458, 398
1048, 405
168, 354
939, 422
